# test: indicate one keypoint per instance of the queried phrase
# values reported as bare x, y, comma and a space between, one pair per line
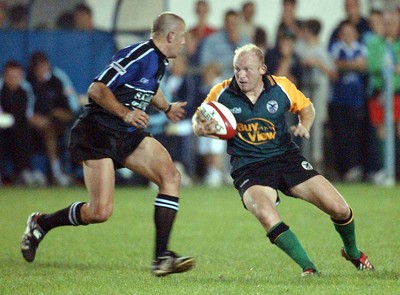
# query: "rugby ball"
226, 122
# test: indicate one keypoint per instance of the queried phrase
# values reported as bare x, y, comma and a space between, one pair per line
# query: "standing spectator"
83, 19
18, 17
201, 30
261, 39
347, 110
17, 99
211, 150
65, 21
52, 114
289, 21
377, 26
247, 26
318, 70
282, 60
353, 15
180, 86
220, 46
378, 46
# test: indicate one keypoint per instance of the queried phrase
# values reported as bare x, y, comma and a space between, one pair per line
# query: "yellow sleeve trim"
216, 91
298, 101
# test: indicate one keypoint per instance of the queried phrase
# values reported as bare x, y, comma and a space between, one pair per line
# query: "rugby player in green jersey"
264, 158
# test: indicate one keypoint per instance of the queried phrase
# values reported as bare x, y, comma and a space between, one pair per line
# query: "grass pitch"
232, 252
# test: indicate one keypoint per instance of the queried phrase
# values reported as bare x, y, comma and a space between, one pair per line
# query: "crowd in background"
343, 79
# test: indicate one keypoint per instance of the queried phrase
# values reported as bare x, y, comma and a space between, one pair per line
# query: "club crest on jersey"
236, 110
306, 165
272, 106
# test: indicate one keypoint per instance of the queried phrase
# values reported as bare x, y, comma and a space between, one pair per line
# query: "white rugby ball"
226, 122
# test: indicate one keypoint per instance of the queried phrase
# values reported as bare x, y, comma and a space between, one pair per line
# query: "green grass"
233, 255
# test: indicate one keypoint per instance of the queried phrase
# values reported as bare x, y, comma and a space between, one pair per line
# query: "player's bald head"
164, 23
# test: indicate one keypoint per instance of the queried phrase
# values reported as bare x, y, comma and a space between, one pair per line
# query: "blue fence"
82, 55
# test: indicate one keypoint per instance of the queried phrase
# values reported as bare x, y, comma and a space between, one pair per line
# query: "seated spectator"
18, 17
17, 100
83, 19
52, 113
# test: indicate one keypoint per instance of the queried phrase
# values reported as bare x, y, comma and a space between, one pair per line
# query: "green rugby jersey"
262, 132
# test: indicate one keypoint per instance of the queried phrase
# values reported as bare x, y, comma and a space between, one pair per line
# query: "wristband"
168, 109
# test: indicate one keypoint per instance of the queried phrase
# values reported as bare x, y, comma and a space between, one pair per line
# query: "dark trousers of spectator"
347, 127
15, 146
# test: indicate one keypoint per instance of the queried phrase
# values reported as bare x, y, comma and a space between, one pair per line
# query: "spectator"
18, 17
376, 24
17, 100
3, 15
83, 19
377, 48
261, 39
219, 47
353, 15
247, 26
347, 106
283, 60
196, 35
65, 21
201, 29
289, 24
180, 86
212, 151
52, 114
318, 70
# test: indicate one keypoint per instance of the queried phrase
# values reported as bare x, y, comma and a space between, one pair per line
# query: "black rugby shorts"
91, 141
281, 173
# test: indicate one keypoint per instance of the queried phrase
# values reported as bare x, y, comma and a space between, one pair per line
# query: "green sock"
347, 232
290, 244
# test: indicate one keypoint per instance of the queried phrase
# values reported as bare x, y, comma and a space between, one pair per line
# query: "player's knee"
101, 214
171, 175
342, 212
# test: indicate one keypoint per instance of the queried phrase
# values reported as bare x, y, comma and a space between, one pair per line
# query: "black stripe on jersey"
112, 71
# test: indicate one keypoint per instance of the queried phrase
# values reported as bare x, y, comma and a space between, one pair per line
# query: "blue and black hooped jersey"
133, 75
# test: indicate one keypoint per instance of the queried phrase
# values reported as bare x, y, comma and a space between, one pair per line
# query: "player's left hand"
177, 111
300, 130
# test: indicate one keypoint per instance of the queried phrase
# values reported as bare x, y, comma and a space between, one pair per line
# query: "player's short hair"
249, 48
164, 23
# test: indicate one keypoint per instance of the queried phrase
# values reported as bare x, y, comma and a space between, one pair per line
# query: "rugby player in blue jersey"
264, 158
109, 135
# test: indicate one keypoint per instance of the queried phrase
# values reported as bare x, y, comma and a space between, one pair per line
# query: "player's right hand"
137, 118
